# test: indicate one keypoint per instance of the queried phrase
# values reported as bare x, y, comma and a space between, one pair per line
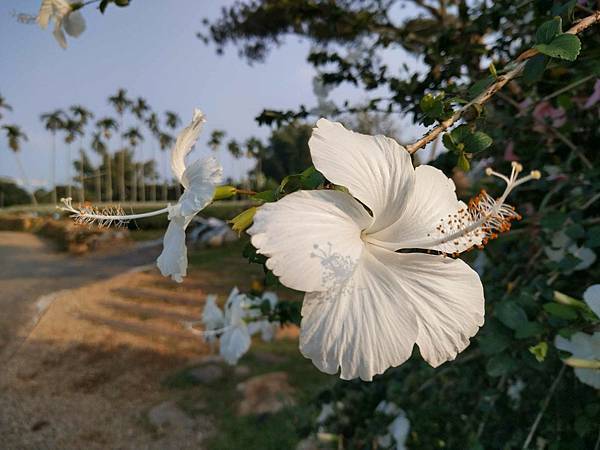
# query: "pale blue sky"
150, 49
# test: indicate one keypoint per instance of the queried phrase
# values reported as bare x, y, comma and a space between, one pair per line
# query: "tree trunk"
53, 170
28, 187
154, 180
69, 193
142, 181
82, 175
109, 191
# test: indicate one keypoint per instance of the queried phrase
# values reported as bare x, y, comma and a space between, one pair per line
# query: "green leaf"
500, 365
560, 311
311, 178
511, 314
548, 31
528, 330
463, 162
534, 69
593, 237
493, 343
479, 86
477, 142
103, 5
449, 142
564, 46
266, 196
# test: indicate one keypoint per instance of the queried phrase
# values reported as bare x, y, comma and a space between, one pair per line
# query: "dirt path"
31, 268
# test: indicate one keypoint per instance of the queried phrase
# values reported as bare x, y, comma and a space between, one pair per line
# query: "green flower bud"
242, 221
223, 192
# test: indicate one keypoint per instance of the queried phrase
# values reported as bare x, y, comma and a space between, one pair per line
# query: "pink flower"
595, 97
545, 113
509, 152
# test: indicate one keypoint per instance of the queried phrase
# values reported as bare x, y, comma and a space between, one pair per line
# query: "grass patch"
257, 432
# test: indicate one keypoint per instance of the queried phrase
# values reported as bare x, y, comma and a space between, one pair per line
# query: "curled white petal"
592, 297
212, 316
172, 261
184, 144
375, 169
583, 346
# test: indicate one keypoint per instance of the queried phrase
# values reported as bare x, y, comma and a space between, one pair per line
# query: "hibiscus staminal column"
484, 217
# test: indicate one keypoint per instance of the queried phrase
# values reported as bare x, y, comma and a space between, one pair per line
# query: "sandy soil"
89, 372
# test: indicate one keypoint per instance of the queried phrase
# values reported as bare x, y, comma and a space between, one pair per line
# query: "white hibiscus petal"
234, 343
185, 141
592, 297
362, 326
433, 199
212, 316
74, 24
310, 236
58, 34
447, 297
200, 179
375, 169
46, 10
172, 262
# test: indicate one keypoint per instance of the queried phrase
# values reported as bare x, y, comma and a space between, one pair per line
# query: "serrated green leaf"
560, 311
534, 69
548, 31
564, 46
477, 142
448, 142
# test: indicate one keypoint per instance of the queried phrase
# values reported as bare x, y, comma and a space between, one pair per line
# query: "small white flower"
387, 408
397, 432
327, 411
515, 388
212, 317
366, 305
199, 180
584, 347
592, 297
65, 18
264, 327
235, 340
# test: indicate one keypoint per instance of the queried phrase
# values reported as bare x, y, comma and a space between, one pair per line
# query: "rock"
264, 394
310, 443
269, 358
241, 371
169, 415
207, 374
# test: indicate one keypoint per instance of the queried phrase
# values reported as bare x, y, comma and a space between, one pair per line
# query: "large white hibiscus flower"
65, 17
366, 305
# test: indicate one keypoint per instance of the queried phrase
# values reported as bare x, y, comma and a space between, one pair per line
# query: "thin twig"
545, 404
501, 81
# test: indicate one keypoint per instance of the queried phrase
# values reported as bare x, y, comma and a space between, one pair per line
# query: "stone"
207, 374
241, 370
168, 415
265, 394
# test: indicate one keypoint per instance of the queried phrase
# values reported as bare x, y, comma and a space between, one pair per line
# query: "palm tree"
83, 116
173, 121
106, 126
121, 103
100, 147
139, 110
134, 137
15, 136
4, 105
165, 141
53, 121
72, 129
152, 122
